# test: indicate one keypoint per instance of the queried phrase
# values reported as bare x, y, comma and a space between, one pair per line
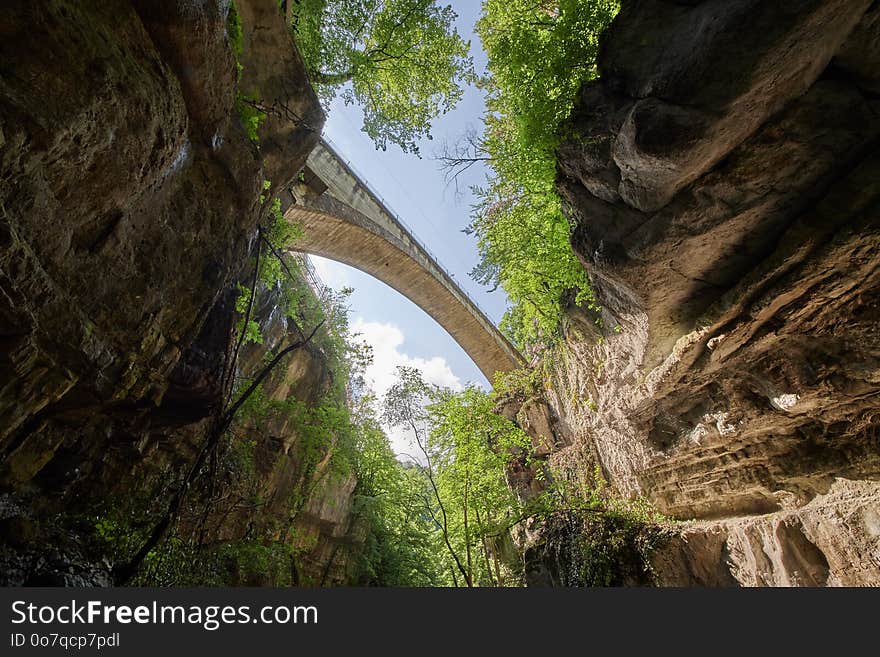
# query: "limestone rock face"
834, 540
692, 81
296, 479
129, 198
722, 182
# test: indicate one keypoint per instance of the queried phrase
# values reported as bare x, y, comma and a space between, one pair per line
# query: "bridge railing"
412, 234
311, 275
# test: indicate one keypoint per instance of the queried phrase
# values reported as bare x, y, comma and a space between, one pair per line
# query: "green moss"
234, 31
250, 116
592, 538
611, 548
255, 562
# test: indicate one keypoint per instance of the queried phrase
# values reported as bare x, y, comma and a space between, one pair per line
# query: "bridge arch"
343, 220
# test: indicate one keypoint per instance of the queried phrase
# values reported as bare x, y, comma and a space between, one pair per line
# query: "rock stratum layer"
722, 175
130, 195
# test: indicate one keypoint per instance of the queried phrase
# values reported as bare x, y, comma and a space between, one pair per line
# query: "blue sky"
400, 332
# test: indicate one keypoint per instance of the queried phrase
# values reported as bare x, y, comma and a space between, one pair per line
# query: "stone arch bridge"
344, 221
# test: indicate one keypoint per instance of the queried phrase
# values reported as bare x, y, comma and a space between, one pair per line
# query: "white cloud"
386, 340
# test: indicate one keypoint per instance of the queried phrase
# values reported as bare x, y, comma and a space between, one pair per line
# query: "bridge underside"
335, 230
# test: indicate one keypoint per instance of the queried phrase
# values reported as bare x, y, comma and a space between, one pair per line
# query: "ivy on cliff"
249, 114
229, 475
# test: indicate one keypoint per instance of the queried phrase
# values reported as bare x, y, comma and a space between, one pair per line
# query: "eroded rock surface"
834, 540
129, 195
722, 181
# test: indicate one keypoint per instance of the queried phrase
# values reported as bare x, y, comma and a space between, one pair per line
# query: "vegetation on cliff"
402, 61
259, 457
540, 53
238, 481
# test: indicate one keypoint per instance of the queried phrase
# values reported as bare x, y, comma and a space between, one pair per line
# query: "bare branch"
455, 159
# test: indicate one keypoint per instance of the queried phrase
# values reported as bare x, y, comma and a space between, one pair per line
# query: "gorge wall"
130, 196
722, 176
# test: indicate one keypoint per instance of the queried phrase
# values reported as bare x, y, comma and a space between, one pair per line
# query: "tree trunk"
485, 546
467, 534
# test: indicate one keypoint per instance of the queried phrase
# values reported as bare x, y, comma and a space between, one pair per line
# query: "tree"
402, 61
464, 448
523, 237
399, 546
540, 53
473, 446
405, 406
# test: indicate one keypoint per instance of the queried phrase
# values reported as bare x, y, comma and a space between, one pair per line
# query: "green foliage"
400, 547
273, 272
241, 455
523, 382
281, 234
236, 37
252, 329
121, 525
267, 185
251, 117
114, 530
316, 426
609, 547
523, 240
255, 562
404, 61
473, 448
399, 544
540, 53
234, 32
307, 23
592, 538
464, 449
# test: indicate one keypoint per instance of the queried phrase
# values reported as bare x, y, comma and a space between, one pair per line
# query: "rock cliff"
721, 177
130, 196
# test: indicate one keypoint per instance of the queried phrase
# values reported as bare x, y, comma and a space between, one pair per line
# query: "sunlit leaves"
404, 59
464, 450
540, 52
474, 445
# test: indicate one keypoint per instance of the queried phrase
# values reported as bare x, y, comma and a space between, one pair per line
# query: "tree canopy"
463, 448
402, 61
540, 52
